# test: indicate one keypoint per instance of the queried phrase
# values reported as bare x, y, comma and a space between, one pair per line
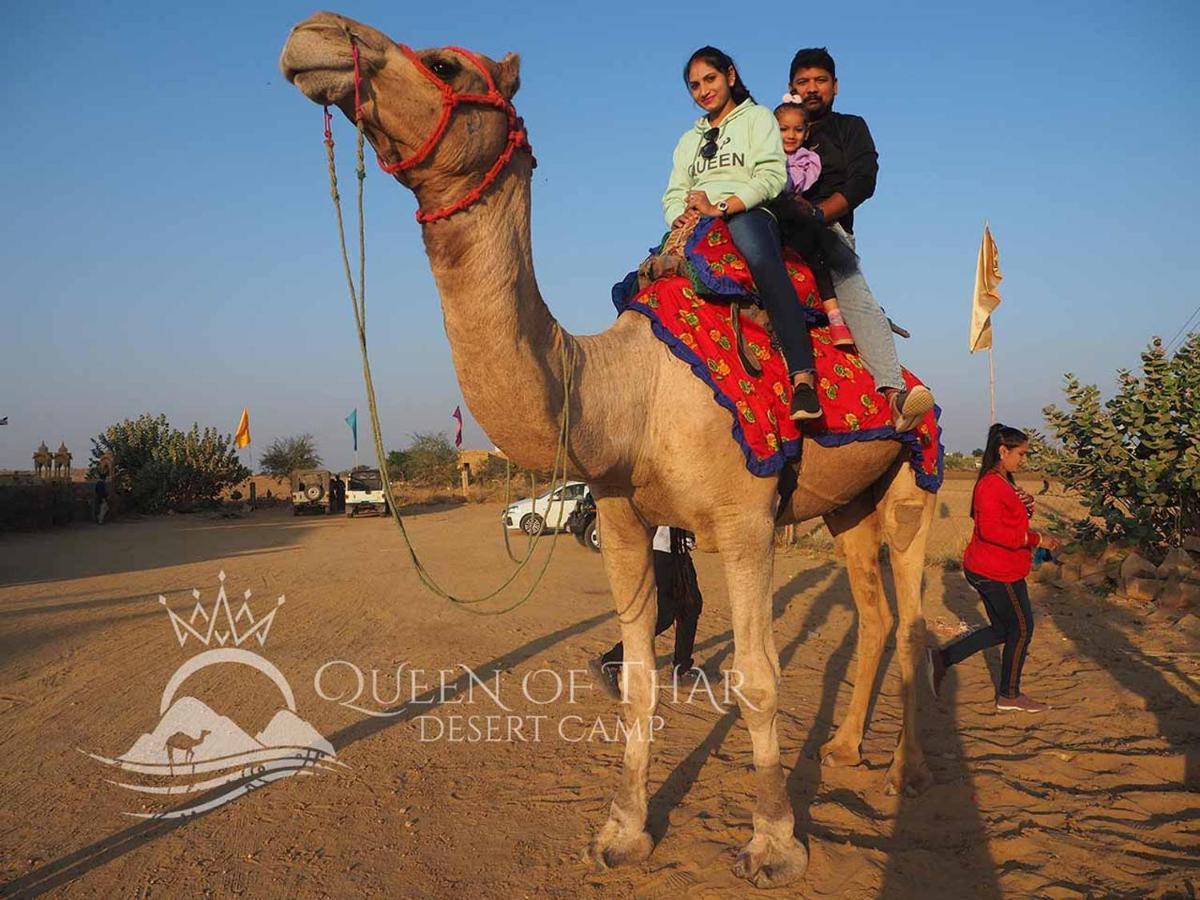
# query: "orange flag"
242, 437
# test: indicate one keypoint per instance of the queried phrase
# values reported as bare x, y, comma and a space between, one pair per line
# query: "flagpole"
992, 385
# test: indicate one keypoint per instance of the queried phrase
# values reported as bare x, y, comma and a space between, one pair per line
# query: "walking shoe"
910, 406
1021, 703
935, 670
607, 675
805, 404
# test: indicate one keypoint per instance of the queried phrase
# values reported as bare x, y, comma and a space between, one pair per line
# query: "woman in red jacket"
996, 562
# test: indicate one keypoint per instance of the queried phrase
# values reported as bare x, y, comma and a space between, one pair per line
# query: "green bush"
1135, 459
160, 468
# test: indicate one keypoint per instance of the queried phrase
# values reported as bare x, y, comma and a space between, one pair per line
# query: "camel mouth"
316, 59
325, 85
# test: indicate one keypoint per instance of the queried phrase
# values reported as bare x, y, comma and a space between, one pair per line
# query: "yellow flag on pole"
242, 437
987, 298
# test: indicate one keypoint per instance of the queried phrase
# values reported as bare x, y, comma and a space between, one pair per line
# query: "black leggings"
1007, 605
683, 612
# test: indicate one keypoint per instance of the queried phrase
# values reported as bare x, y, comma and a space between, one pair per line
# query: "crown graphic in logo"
209, 621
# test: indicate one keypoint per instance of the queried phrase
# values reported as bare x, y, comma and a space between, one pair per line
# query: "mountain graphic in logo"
223, 738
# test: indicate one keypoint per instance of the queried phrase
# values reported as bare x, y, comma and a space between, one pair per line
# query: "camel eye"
444, 69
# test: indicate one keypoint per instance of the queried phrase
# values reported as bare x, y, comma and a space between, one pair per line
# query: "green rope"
561, 457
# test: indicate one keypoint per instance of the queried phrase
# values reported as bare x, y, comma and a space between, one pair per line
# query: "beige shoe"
910, 406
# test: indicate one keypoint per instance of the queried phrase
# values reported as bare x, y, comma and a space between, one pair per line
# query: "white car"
364, 491
554, 506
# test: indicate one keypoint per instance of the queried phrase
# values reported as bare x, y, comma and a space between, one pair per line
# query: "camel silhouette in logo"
181, 740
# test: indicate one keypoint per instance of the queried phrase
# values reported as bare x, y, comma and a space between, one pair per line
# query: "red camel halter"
517, 137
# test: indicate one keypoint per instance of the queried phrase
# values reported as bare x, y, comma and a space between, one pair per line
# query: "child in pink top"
803, 169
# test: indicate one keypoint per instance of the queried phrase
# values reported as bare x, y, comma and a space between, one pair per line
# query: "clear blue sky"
167, 241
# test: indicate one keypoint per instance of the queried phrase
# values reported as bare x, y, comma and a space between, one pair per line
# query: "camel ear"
509, 75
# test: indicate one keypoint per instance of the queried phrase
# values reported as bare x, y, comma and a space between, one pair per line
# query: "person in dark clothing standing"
679, 604
995, 563
849, 166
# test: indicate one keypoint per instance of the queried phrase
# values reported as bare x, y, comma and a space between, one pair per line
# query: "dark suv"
583, 524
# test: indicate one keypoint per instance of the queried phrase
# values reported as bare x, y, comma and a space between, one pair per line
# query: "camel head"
402, 99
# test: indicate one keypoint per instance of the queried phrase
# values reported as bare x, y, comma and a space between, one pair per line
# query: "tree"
133, 444
977, 453
159, 468
1135, 458
431, 460
958, 461
397, 464
284, 456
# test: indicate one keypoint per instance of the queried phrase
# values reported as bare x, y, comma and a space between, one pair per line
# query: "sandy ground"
1097, 797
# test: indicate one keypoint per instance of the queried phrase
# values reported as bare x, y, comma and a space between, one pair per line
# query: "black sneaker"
607, 675
805, 404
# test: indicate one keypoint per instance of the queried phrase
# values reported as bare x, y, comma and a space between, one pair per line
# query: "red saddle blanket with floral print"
691, 314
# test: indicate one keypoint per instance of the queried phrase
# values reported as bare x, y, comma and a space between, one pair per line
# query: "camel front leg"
626, 549
773, 857
856, 527
906, 512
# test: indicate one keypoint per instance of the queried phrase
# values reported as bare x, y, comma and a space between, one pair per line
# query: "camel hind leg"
906, 512
897, 511
858, 530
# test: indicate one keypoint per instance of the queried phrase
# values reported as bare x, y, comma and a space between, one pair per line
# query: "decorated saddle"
692, 311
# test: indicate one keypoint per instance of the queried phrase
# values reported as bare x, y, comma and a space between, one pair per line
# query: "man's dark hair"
812, 58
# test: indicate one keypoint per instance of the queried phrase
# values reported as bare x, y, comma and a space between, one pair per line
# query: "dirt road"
1089, 798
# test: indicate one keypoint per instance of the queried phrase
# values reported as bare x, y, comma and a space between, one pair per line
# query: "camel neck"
507, 348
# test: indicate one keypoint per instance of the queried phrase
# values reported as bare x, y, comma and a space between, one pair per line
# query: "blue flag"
352, 421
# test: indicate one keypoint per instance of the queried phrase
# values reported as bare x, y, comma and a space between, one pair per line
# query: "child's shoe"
838, 330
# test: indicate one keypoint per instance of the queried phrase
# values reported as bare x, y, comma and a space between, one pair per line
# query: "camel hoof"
909, 780
769, 863
835, 753
613, 847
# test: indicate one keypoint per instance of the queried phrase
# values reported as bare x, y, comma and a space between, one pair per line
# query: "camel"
181, 740
647, 464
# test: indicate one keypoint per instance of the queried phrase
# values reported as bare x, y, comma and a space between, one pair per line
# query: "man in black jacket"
849, 165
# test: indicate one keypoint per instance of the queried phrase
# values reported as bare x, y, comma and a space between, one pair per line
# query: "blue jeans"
756, 234
872, 333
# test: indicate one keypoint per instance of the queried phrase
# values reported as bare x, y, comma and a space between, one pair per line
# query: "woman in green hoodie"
728, 165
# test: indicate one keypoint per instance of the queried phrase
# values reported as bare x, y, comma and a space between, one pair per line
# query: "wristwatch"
817, 213
723, 206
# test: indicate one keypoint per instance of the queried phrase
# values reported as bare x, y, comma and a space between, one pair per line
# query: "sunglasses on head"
709, 150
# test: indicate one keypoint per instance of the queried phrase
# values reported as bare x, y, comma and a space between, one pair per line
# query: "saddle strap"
749, 363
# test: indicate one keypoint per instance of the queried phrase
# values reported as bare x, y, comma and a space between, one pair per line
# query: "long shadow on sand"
74, 865
1102, 638
939, 846
136, 546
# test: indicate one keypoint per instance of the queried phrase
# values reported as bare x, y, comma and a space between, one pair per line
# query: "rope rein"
516, 139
